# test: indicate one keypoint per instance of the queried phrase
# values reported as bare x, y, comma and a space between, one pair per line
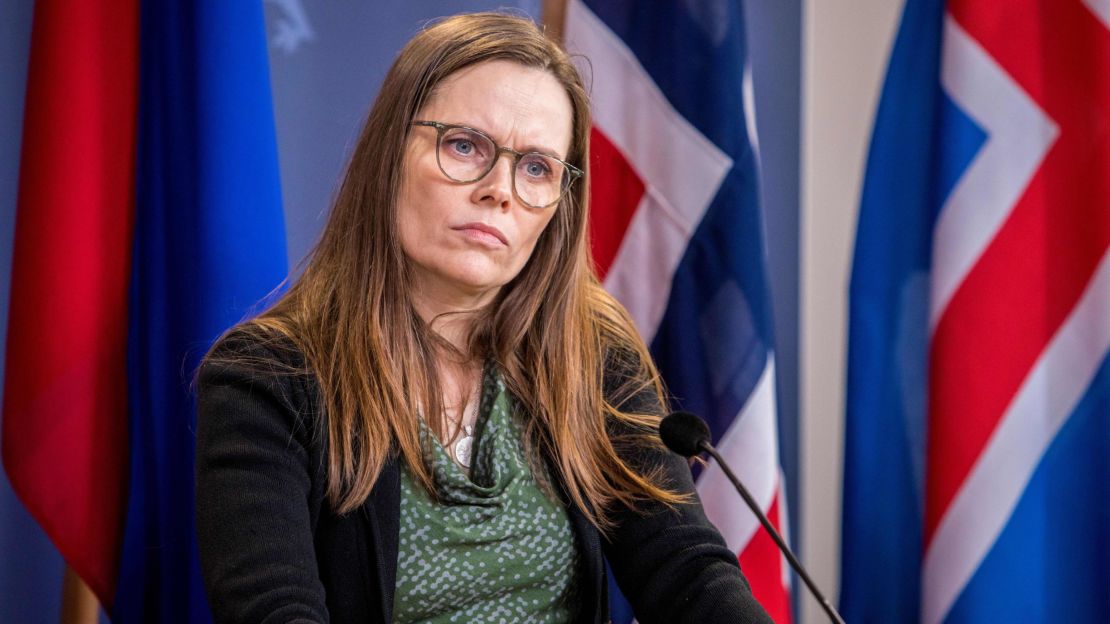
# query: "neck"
449, 310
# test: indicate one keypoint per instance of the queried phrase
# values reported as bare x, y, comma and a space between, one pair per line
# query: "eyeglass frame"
442, 128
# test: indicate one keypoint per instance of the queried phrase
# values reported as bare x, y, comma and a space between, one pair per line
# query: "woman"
446, 418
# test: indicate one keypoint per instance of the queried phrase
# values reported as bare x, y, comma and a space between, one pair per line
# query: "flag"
65, 387
149, 221
977, 487
209, 244
677, 237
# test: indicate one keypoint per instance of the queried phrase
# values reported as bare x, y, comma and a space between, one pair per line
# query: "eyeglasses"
468, 155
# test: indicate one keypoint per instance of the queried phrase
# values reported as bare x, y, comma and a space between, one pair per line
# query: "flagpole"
553, 15
79, 603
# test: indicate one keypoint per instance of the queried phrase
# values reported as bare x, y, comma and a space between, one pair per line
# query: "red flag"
65, 399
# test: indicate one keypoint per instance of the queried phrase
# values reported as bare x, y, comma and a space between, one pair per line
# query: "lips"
481, 231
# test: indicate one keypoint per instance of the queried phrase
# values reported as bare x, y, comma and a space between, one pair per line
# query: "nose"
496, 187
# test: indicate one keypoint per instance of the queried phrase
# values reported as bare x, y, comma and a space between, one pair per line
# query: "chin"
477, 276
476, 283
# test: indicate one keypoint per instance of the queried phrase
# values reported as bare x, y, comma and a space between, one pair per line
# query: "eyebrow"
526, 149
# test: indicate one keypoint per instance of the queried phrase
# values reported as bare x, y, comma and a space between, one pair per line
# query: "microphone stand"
794, 563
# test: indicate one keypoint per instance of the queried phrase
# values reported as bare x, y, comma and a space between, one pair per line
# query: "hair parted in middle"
552, 331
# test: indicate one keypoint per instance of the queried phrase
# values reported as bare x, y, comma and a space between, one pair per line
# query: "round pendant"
464, 446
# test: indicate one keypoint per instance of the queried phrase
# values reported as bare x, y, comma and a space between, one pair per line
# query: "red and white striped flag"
677, 237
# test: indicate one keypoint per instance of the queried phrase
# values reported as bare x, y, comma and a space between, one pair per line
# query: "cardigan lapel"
382, 512
594, 589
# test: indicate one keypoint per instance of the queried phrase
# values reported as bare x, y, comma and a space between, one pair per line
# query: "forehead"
519, 106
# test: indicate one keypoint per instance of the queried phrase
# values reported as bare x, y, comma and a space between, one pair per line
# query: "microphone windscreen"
683, 433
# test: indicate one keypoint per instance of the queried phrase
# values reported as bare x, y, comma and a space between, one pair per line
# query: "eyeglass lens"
465, 156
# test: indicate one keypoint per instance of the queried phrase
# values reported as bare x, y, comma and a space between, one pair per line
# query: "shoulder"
250, 349
259, 363
630, 382
250, 344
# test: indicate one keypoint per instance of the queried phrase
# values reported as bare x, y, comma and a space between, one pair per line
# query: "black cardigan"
272, 550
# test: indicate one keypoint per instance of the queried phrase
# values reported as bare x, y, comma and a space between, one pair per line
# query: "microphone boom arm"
794, 563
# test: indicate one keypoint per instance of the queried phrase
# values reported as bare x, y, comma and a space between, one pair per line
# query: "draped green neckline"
491, 546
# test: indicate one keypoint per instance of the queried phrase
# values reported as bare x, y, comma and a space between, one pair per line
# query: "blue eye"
462, 147
535, 167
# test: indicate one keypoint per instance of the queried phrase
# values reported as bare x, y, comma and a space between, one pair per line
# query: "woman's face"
468, 240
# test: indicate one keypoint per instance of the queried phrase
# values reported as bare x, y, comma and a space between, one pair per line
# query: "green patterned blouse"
493, 548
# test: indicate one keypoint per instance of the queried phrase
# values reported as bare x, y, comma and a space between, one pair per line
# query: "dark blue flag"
209, 244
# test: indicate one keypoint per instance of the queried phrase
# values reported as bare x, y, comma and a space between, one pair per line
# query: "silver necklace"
464, 446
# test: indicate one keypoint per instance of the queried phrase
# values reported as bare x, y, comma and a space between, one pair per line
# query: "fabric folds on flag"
976, 485
65, 387
677, 236
209, 244
149, 221
884, 453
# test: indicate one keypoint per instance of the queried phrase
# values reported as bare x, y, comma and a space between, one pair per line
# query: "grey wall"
324, 85
775, 49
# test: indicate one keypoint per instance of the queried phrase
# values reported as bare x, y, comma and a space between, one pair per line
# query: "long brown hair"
552, 331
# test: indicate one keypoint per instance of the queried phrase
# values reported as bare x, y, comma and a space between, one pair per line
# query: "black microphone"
686, 434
